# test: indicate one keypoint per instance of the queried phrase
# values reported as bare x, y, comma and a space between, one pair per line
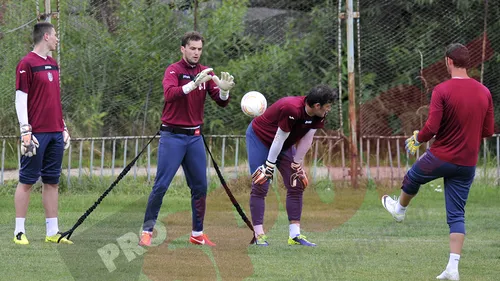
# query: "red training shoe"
201, 240
145, 238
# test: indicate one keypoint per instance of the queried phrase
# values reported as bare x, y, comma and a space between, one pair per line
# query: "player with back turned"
460, 115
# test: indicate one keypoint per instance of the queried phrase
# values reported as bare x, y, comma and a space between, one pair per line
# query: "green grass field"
357, 239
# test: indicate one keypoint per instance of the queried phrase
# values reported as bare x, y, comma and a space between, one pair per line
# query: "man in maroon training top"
43, 132
460, 115
185, 87
280, 138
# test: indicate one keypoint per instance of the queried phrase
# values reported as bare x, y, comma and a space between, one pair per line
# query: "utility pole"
352, 96
48, 15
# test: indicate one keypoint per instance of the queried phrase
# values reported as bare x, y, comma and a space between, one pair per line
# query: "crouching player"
279, 139
460, 115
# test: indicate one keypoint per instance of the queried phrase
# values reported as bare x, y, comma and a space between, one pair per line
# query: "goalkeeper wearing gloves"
44, 135
186, 84
460, 115
279, 139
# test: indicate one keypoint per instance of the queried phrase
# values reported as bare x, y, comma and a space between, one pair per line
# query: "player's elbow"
169, 95
223, 103
488, 133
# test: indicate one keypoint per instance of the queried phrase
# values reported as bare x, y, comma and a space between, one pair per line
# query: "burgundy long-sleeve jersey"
288, 114
186, 110
460, 115
39, 78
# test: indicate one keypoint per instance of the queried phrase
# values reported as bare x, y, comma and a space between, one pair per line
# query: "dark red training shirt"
186, 110
39, 78
460, 115
289, 115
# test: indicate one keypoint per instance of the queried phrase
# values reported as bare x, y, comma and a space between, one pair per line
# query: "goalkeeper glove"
66, 138
225, 84
201, 78
263, 173
299, 175
29, 143
411, 144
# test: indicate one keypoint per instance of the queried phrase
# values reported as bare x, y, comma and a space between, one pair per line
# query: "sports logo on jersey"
308, 122
291, 117
22, 71
186, 76
49, 74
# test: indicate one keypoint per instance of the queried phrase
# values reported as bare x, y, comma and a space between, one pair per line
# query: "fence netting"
402, 57
113, 55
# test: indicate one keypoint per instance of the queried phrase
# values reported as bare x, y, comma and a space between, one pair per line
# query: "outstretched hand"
225, 82
411, 144
203, 77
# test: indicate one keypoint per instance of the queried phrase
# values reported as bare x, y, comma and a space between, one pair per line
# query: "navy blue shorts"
46, 163
457, 182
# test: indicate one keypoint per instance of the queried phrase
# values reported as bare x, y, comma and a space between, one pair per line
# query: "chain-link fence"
16, 23
113, 55
402, 57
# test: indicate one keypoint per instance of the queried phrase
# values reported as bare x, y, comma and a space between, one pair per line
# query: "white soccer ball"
253, 104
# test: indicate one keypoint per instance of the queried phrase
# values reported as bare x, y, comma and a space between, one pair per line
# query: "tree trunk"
105, 11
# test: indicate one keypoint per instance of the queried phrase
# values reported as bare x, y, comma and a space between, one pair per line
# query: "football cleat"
55, 239
21, 239
146, 237
390, 205
300, 240
448, 275
201, 240
261, 240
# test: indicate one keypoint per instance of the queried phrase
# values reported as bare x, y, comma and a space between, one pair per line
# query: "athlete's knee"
260, 190
50, 181
410, 184
24, 186
457, 226
28, 179
50, 186
295, 190
159, 188
198, 192
456, 221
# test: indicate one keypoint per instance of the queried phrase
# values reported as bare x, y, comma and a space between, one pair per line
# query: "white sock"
196, 233
52, 226
20, 226
400, 209
453, 262
294, 230
259, 230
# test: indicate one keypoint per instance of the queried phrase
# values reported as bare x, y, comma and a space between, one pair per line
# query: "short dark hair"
40, 29
191, 36
321, 94
459, 54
